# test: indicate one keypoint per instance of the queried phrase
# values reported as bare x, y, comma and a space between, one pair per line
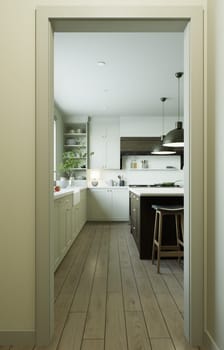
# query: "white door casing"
50, 19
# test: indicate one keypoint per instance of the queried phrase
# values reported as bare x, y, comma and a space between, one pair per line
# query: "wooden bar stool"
167, 250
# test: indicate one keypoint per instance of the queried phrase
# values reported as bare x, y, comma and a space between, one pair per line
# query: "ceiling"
139, 69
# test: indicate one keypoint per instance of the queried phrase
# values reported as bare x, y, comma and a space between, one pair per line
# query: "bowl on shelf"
70, 142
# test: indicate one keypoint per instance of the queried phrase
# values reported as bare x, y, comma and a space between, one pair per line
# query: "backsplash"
150, 162
137, 177
141, 170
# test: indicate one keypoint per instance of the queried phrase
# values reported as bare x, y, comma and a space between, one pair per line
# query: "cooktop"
162, 184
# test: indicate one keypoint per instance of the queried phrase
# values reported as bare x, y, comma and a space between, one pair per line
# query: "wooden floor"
107, 298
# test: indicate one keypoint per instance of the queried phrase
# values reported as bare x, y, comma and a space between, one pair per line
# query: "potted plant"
69, 162
72, 161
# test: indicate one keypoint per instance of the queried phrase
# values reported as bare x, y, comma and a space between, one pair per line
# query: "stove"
162, 184
139, 185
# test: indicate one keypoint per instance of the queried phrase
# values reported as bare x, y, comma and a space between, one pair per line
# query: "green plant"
72, 160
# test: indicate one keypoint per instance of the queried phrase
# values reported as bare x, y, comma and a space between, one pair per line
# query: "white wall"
145, 126
17, 137
215, 218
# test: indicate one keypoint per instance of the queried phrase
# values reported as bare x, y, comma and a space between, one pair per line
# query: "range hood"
144, 146
138, 145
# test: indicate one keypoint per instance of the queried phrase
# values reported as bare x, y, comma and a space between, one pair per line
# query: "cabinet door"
104, 138
120, 208
62, 227
99, 204
68, 221
82, 208
56, 234
97, 136
113, 144
75, 221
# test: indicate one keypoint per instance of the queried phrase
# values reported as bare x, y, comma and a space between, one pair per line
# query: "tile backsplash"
137, 176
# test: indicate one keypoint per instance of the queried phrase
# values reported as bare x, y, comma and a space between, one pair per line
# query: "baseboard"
209, 343
17, 338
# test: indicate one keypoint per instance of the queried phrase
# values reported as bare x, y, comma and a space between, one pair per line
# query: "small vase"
94, 182
71, 181
63, 182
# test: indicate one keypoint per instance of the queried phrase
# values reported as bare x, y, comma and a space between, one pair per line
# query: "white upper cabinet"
104, 141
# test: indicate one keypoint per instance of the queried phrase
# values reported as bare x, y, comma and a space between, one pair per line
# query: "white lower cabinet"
57, 252
82, 208
68, 222
75, 221
108, 204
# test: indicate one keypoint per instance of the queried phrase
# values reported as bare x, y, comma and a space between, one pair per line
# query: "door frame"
50, 19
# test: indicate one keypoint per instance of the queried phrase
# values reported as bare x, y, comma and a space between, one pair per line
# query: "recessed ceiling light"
101, 63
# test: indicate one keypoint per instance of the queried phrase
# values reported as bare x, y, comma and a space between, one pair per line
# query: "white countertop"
158, 191
109, 187
68, 190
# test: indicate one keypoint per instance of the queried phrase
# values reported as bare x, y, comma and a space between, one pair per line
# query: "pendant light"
160, 150
175, 137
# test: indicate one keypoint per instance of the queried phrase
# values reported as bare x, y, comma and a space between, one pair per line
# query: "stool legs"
180, 237
163, 250
177, 216
159, 241
154, 237
157, 238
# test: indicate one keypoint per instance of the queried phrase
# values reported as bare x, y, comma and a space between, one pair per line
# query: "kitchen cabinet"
104, 141
108, 204
57, 252
75, 221
120, 204
135, 217
68, 222
62, 227
82, 208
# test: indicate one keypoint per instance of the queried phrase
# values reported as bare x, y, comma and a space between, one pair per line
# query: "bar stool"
167, 250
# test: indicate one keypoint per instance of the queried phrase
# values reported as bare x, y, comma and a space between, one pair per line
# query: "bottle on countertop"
134, 164
145, 164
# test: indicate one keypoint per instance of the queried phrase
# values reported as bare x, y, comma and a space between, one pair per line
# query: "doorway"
50, 20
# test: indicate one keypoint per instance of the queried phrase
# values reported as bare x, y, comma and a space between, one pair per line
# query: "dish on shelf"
70, 142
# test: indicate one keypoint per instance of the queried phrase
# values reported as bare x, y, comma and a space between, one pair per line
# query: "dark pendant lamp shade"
160, 150
175, 137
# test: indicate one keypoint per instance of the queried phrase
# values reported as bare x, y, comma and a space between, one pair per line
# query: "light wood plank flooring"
106, 298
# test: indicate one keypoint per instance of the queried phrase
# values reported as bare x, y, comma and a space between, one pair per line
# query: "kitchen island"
142, 215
